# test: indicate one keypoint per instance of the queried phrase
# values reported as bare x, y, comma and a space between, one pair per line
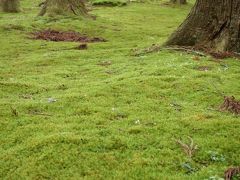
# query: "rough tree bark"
51, 7
11, 6
213, 24
179, 1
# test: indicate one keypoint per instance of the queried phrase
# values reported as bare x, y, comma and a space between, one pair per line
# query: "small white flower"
137, 122
51, 100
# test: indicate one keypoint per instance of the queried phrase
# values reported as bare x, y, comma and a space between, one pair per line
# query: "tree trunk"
179, 1
52, 7
211, 24
11, 6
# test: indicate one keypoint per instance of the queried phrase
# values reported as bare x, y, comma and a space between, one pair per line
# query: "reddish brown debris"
229, 173
231, 104
217, 54
69, 36
221, 55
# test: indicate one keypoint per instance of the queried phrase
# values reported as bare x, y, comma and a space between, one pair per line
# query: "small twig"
14, 111
189, 149
71, 7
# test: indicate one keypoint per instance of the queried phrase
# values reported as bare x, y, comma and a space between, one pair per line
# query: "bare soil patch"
67, 36
105, 63
82, 47
203, 68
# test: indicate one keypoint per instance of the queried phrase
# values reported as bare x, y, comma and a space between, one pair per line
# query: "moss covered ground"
102, 113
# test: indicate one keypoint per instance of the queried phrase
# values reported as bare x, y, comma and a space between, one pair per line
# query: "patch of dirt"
82, 47
196, 58
231, 104
105, 63
222, 55
203, 68
231, 172
68, 36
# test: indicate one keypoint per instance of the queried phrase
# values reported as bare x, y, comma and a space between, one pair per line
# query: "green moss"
114, 120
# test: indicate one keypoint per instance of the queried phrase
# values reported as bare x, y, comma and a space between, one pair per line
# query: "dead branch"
190, 148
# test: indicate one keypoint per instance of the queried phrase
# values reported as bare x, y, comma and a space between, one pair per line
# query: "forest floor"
102, 113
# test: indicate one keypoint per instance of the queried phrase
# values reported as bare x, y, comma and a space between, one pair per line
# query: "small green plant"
216, 157
215, 178
236, 177
188, 168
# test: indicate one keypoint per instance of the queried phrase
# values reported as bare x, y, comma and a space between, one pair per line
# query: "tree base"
10, 6
61, 7
211, 24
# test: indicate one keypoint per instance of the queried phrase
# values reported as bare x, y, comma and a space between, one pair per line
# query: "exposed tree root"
157, 48
199, 51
